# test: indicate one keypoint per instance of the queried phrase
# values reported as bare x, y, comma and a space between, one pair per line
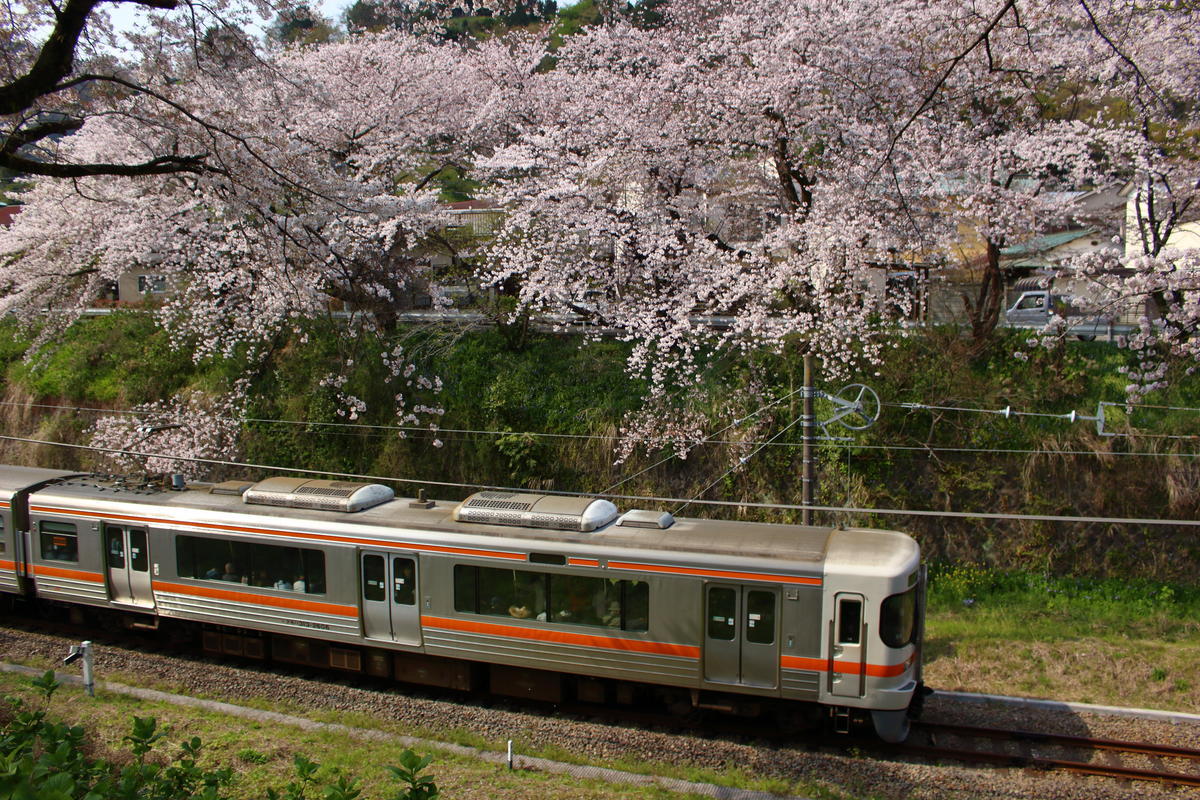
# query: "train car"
550, 597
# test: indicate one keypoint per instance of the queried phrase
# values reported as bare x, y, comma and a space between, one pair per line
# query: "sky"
127, 17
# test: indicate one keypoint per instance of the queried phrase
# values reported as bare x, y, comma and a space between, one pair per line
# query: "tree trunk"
984, 312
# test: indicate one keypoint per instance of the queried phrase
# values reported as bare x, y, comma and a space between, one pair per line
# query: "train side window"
290, 569
635, 606
849, 621
512, 593
466, 589
760, 617
59, 541
3, 544
722, 613
584, 601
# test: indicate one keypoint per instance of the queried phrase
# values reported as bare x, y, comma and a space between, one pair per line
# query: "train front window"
897, 618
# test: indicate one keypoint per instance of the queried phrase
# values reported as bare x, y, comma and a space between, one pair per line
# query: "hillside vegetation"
499, 401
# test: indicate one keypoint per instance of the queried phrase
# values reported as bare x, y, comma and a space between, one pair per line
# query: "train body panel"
736, 608
15, 483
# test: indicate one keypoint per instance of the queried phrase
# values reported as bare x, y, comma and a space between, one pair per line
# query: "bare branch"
57, 56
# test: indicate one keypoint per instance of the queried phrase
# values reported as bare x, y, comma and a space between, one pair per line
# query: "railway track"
1140, 761
930, 741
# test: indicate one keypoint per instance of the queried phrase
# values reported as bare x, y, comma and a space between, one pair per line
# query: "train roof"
14, 479
405, 517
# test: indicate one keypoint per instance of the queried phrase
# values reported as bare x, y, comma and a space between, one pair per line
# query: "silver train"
547, 597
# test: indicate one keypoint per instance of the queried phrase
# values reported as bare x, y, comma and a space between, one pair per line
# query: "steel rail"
1084, 742
966, 754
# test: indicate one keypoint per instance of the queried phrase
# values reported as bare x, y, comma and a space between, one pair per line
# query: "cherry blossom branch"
941, 81
1142, 79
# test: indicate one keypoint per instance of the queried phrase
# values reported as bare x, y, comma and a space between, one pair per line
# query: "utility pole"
808, 423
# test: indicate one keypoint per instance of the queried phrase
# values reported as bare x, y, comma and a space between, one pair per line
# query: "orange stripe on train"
845, 667
715, 573
73, 574
562, 637
294, 603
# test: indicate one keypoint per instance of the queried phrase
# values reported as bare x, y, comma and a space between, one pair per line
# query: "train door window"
3, 544
849, 621
404, 578
722, 613
59, 541
139, 558
374, 587
116, 547
760, 617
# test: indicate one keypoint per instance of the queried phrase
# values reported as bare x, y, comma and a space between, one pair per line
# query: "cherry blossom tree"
1140, 71
727, 181
319, 191
66, 63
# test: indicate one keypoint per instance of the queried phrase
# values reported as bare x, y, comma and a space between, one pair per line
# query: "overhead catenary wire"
900, 512
739, 463
736, 422
463, 433
1070, 416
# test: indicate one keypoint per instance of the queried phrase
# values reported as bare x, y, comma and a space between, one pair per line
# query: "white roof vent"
553, 512
343, 496
660, 520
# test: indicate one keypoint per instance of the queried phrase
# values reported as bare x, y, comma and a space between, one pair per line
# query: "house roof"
7, 213
1045, 242
464, 205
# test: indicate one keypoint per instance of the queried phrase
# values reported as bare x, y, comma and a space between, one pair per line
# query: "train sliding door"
127, 556
741, 639
389, 597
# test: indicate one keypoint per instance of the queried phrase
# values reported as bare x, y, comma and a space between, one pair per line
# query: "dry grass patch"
1137, 673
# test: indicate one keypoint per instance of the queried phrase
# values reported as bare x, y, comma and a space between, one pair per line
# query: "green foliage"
415, 785
115, 359
252, 756
1052, 607
45, 760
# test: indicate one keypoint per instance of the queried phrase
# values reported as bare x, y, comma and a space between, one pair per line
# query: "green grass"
262, 754
968, 600
1112, 642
